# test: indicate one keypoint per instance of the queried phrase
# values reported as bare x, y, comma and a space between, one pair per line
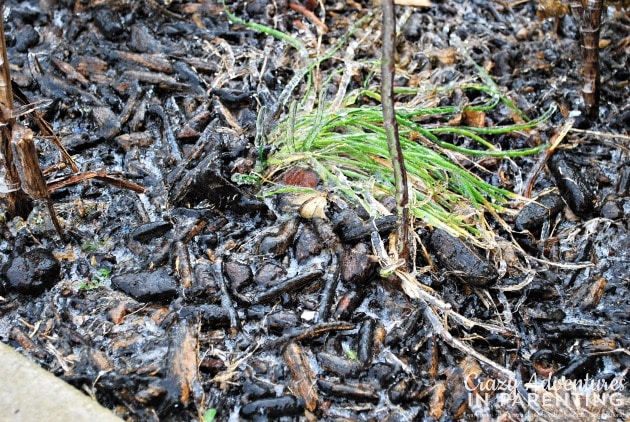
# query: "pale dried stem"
438, 327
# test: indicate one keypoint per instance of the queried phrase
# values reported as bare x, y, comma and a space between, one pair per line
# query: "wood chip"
182, 364
303, 376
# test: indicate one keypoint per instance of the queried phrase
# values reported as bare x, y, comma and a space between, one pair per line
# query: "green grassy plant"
348, 148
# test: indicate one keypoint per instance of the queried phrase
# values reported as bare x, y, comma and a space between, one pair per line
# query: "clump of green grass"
347, 147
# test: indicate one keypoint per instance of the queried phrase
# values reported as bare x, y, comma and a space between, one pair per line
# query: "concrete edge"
30, 393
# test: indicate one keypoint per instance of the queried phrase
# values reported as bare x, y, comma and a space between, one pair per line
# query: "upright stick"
17, 201
390, 124
590, 32
588, 16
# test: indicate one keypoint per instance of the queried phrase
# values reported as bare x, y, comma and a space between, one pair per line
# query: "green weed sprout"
101, 275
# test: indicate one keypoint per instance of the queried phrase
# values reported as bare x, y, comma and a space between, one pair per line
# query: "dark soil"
199, 295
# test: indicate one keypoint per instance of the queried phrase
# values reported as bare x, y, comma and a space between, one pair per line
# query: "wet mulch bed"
197, 298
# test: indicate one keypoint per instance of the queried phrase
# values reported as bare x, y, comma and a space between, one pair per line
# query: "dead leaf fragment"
474, 118
314, 207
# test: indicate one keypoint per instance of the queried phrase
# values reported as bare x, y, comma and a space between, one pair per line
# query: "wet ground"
198, 298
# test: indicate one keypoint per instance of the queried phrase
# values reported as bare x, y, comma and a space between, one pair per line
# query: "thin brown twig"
45, 127
321, 26
100, 175
557, 138
310, 332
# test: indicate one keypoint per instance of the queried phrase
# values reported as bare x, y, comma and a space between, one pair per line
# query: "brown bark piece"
183, 361
436, 403
157, 62
303, 376
27, 163
70, 72
30, 173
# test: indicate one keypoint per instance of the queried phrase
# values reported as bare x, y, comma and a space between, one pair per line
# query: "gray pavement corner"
30, 393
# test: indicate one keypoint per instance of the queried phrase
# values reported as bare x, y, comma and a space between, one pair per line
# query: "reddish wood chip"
297, 176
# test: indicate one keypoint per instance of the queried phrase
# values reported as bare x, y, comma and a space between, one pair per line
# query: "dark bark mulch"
198, 294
